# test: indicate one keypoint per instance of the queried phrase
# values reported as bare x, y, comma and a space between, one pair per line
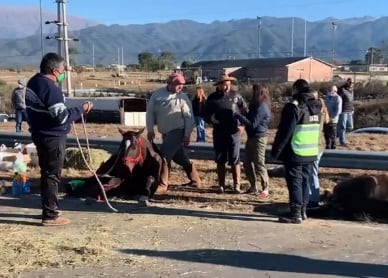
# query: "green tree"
356, 62
147, 61
166, 60
186, 64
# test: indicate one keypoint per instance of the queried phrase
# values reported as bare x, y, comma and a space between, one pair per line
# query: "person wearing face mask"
171, 111
49, 123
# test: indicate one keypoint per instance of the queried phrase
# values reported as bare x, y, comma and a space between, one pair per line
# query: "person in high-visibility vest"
297, 145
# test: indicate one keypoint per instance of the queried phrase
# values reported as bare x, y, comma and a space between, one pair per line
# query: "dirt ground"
188, 232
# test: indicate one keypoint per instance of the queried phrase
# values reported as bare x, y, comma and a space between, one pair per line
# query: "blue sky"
147, 11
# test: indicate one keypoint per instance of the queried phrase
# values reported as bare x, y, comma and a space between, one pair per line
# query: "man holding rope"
50, 122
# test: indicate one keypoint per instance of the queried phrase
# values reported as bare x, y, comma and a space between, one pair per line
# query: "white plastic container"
30, 149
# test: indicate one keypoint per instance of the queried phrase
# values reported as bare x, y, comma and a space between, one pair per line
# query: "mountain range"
20, 41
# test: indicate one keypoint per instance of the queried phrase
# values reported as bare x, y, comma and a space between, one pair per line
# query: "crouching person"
296, 144
170, 110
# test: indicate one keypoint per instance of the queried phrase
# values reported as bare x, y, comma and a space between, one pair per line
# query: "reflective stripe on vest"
305, 139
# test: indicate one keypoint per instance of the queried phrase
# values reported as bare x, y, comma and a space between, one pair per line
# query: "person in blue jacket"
49, 123
256, 126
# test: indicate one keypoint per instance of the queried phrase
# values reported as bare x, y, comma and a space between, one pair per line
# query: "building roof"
252, 63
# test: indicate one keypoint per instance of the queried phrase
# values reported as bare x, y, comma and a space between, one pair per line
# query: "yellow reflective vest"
305, 138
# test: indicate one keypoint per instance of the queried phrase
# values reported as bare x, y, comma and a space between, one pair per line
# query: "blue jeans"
345, 123
20, 114
200, 124
314, 181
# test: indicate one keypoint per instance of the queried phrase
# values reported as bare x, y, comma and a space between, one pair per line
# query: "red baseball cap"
176, 78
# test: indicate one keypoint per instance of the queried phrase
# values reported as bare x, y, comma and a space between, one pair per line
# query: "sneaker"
263, 195
221, 190
237, 189
252, 190
59, 221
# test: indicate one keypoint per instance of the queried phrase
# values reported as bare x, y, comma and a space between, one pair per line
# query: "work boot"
143, 201
236, 173
164, 177
221, 171
193, 176
304, 212
293, 217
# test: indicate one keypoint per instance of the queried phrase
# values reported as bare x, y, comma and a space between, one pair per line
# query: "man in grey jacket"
19, 104
334, 107
170, 110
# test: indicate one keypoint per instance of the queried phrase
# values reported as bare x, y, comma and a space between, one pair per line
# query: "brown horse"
137, 168
359, 198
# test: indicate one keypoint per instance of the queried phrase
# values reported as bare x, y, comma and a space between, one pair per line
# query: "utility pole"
93, 62
66, 46
59, 26
305, 39
63, 40
122, 55
41, 28
292, 37
259, 35
334, 27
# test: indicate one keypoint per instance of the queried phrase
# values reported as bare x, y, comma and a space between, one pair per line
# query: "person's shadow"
268, 262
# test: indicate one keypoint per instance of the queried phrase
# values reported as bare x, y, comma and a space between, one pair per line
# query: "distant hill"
19, 22
234, 39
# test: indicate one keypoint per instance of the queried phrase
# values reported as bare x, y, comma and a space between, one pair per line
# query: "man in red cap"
170, 110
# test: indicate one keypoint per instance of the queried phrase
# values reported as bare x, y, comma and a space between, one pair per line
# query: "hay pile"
30, 248
74, 158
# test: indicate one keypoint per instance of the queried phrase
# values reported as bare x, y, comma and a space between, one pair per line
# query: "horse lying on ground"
360, 198
137, 168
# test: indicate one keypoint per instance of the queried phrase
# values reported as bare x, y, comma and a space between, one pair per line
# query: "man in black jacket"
296, 144
226, 129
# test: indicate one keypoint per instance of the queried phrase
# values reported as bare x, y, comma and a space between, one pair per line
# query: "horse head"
132, 147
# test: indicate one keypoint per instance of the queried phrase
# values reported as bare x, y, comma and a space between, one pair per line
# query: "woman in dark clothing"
198, 104
256, 125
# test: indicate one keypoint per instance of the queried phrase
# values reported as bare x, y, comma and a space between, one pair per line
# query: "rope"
88, 165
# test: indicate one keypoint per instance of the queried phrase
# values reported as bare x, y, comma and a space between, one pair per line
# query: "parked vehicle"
371, 130
4, 117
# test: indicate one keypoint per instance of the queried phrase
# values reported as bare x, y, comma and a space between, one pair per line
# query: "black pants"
297, 179
51, 153
330, 132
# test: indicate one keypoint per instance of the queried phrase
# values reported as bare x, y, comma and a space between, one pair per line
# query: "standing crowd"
308, 124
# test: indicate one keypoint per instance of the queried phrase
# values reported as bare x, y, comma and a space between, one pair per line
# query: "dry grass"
28, 248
